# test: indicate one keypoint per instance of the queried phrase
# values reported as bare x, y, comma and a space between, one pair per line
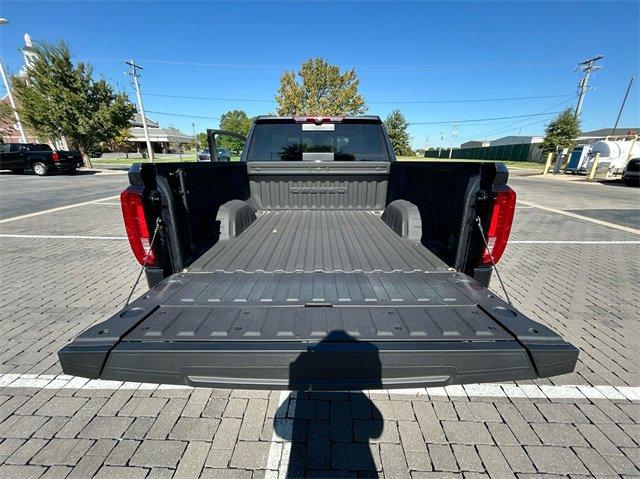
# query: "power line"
519, 122
386, 102
472, 100
189, 97
480, 119
410, 123
379, 67
182, 115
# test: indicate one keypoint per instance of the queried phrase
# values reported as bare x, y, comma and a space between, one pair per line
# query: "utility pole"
624, 100
587, 66
23, 137
134, 74
195, 139
441, 140
454, 134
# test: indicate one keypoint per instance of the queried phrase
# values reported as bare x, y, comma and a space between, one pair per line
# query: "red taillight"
55, 156
504, 206
136, 226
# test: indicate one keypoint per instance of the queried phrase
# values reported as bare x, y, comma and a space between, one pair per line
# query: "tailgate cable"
144, 263
493, 263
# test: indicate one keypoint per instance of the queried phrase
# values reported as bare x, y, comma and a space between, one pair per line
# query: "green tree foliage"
59, 99
235, 121
202, 140
561, 132
120, 142
397, 126
322, 90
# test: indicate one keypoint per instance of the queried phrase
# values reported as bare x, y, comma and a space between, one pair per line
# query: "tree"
202, 142
561, 132
61, 100
235, 121
397, 125
120, 142
322, 90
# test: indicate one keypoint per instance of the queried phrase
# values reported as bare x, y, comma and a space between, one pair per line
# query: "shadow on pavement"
329, 432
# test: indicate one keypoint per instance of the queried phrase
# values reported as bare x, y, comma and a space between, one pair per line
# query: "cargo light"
136, 226
504, 207
318, 120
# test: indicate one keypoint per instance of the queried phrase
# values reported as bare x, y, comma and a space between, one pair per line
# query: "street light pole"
23, 137
134, 74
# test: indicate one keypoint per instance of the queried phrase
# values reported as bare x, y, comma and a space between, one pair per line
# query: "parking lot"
573, 263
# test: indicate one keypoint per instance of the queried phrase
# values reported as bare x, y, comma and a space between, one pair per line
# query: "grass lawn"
528, 165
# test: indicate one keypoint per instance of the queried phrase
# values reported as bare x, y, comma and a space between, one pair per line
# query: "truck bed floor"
318, 241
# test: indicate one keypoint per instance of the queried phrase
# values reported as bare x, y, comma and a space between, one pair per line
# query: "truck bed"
285, 276
318, 299
318, 241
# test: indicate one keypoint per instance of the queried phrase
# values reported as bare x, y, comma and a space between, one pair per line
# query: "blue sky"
404, 52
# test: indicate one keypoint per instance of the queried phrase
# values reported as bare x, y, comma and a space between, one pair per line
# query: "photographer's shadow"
329, 432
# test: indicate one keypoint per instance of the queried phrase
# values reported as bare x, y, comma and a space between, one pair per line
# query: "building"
517, 140
8, 131
474, 144
588, 137
161, 138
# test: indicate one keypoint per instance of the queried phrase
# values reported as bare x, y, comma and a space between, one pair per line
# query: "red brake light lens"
504, 207
136, 225
55, 156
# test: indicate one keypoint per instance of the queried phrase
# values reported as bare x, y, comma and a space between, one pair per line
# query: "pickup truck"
40, 158
318, 262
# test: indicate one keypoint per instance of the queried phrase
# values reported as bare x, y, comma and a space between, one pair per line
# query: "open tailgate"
336, 331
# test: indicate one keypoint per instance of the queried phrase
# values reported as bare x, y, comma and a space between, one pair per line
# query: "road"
67, 269
23, 194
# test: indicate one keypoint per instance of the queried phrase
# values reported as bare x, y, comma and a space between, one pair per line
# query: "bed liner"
318, 240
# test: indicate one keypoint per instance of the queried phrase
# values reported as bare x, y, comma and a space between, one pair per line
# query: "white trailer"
615, 153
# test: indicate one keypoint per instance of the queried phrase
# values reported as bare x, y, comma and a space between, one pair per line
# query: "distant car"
631, 173
38, 157
223, 155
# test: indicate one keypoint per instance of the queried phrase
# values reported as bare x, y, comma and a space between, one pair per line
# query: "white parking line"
53, 210
583, 218
570, 242
280, 449
64, 237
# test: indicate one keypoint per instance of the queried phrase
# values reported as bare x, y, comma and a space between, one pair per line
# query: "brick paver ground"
54, 288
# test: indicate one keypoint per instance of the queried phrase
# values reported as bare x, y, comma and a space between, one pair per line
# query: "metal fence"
523, 152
